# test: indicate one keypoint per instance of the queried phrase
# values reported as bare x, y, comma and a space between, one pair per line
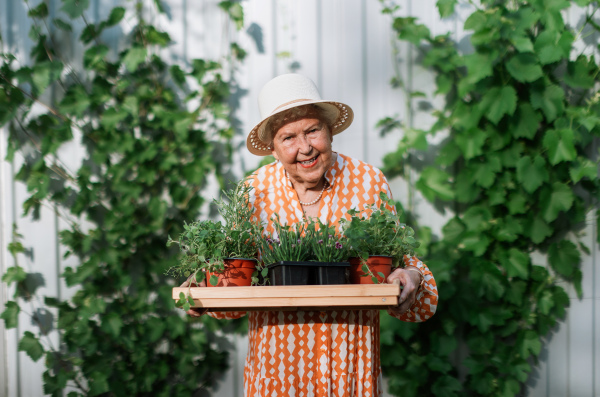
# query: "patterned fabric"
313, 353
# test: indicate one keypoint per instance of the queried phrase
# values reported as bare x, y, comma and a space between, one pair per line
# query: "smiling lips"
309, 163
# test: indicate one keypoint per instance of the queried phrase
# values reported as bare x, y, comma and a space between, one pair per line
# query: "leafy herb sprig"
378, 231
286, 244
205, 244
325, 244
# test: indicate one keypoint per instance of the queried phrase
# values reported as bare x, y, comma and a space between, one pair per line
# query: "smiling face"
304, 149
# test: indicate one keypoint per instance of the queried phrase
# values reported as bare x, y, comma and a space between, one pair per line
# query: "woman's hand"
191, 282
410, 282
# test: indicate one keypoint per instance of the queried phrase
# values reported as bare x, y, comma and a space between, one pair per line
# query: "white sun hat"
288, 91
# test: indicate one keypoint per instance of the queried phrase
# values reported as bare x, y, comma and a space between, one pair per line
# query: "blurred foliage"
151, 133
519, 169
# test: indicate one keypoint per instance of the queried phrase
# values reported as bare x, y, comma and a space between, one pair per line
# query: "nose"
304, 145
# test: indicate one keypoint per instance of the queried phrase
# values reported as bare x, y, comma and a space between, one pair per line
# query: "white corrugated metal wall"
346, 47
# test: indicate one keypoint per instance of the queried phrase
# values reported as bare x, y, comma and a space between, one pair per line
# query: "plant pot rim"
381, 256
242, 259
307, 263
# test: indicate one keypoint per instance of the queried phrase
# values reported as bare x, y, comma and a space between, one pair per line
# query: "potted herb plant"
224, 253
305, 253
378, 242
285, 254
330, 251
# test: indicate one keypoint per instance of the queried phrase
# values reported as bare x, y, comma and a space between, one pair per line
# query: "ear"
274, 153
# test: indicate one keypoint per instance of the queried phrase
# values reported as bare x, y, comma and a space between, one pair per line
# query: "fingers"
191, 282
408, 292
194, 312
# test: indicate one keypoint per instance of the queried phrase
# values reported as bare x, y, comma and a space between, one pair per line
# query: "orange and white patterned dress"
314, 353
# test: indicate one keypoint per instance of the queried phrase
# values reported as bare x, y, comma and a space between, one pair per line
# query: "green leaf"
98, 383
41, 11
524, 67
584, 168
529, 343
498, 102
550, 101
74, 8
134, 57
446, 7
545, 302
476, 243
564, 257
538, 230
471, 142
479, 66
94, 56
516, 263
446, 386
410, 31
434, 183
560, 198
522, 43
14, 274
516, 291
525, 121
508, 229
485, 172
550, 46
62, 25
10, 315
453, 230
517, 203
581, 73
559, 144
532, 174
116, 15
31, 346
509, 388
112, 117
44, 74
112, 324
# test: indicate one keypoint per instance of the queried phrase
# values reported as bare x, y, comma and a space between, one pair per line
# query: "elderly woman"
318, 353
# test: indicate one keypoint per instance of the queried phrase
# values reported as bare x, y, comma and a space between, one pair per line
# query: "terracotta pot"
237, 273
377, 264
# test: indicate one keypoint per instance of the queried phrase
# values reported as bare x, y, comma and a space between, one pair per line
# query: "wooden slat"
292, 297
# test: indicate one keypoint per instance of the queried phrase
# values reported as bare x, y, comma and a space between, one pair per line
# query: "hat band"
289, 103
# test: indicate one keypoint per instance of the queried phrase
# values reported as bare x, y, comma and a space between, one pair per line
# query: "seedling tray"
293, 297
308, 273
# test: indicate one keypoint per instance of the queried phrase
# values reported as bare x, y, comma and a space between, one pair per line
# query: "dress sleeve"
427, 298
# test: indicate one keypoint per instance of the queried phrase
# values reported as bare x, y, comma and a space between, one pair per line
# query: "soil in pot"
377, 264
237, 273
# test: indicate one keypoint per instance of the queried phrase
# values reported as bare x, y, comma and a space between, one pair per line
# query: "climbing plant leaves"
150, 134
516, 170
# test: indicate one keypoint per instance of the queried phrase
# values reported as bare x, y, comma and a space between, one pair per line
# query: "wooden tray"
293, 297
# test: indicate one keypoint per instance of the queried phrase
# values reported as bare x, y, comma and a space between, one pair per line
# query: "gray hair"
294, 114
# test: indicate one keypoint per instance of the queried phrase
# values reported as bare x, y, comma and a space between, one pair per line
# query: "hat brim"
339, 114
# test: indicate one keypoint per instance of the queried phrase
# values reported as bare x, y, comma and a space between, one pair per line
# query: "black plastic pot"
308, 273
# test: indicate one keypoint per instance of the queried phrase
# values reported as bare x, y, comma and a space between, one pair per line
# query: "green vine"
151, 133
519, 169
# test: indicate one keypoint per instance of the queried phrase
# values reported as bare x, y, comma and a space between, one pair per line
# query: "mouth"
309, 163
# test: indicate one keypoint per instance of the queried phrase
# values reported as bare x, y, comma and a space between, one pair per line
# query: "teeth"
308, 161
